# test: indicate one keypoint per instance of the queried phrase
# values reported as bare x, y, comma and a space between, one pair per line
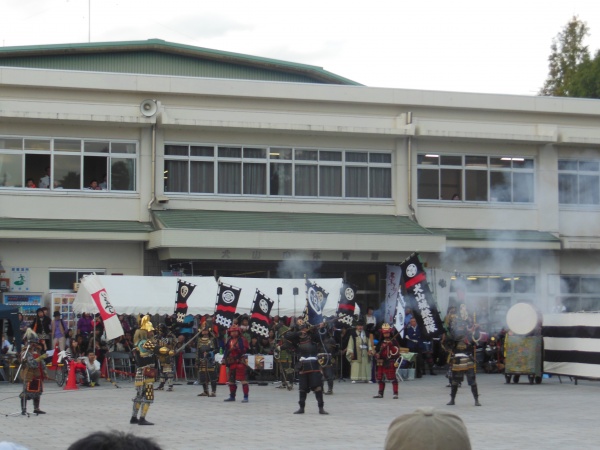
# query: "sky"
460, 46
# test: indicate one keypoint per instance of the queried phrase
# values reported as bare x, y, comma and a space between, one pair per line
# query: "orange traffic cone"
72, 380
223, 375
54, 365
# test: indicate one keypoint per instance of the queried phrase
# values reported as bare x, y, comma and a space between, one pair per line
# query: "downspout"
413, 214
153, 170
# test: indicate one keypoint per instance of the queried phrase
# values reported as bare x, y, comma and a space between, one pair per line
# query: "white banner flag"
112, 326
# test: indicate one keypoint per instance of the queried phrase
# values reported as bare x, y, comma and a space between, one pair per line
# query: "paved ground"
547, 416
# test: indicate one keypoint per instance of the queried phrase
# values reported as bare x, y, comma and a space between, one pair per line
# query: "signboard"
19, 279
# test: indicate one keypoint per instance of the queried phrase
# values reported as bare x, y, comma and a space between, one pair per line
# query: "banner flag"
347, 304
259, 318
184, 290
400, 315
392, 290
227, 300
112, 325
418, 293
316, 298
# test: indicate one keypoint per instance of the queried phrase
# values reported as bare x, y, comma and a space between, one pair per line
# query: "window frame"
474, 175
323, 160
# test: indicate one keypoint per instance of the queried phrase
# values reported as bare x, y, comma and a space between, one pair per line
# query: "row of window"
475, 178
61, 163
275, 171
66, 163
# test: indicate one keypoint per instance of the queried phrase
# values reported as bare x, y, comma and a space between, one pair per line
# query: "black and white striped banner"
572, 344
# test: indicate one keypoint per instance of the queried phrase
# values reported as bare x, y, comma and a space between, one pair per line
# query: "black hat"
360, 322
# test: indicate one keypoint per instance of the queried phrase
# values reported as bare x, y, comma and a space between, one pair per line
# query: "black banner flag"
259, 318
227, 300
418, 293
184, 290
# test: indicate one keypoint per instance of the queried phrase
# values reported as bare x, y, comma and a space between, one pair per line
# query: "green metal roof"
158, 57
287, 222
457, 234
108, 226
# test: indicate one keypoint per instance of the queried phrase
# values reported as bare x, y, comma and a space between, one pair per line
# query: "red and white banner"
112, 325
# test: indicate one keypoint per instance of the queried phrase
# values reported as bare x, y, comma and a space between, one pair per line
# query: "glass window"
202, 150
229, 177
67, 171
122, 174
359, 157
11, 169
290, 172
380, 182
306, 155
255, 179
523, 187
70, 163
578, 182
11, 143
451, 183
567, 188
428, 184
476, 185
176, 150
500, 186
306, 181
123, 147
67, 145
202, 177
37, 144
330, 156
255, 152
230, 152
330, 181
280, 182
357, 182
176, 176
96, 147
280, 153
380, 157
446, 160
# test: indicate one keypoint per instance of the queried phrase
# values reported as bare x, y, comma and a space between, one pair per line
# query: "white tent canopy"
157, 295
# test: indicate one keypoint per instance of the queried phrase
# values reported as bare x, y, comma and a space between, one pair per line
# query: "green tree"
586, 81
568, 53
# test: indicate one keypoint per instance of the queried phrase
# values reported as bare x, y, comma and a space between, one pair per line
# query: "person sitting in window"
30, 184
455, 197
45, 180
94, 186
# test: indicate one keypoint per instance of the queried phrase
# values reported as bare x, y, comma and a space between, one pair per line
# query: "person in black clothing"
42, 326
304, 343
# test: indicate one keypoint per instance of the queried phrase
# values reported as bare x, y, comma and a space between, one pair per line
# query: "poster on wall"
63, 303
19, 279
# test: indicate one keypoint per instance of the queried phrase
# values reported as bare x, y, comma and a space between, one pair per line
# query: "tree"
568, 53
586, 81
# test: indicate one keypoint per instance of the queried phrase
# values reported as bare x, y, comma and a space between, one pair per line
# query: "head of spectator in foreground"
115, 440
427, 429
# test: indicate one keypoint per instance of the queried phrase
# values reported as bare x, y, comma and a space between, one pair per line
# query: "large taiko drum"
523, 318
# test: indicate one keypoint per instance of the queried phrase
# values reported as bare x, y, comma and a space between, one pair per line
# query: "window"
277, 171
580, 293
475, 178
578, 182
68, 163
63, 279
490, 297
